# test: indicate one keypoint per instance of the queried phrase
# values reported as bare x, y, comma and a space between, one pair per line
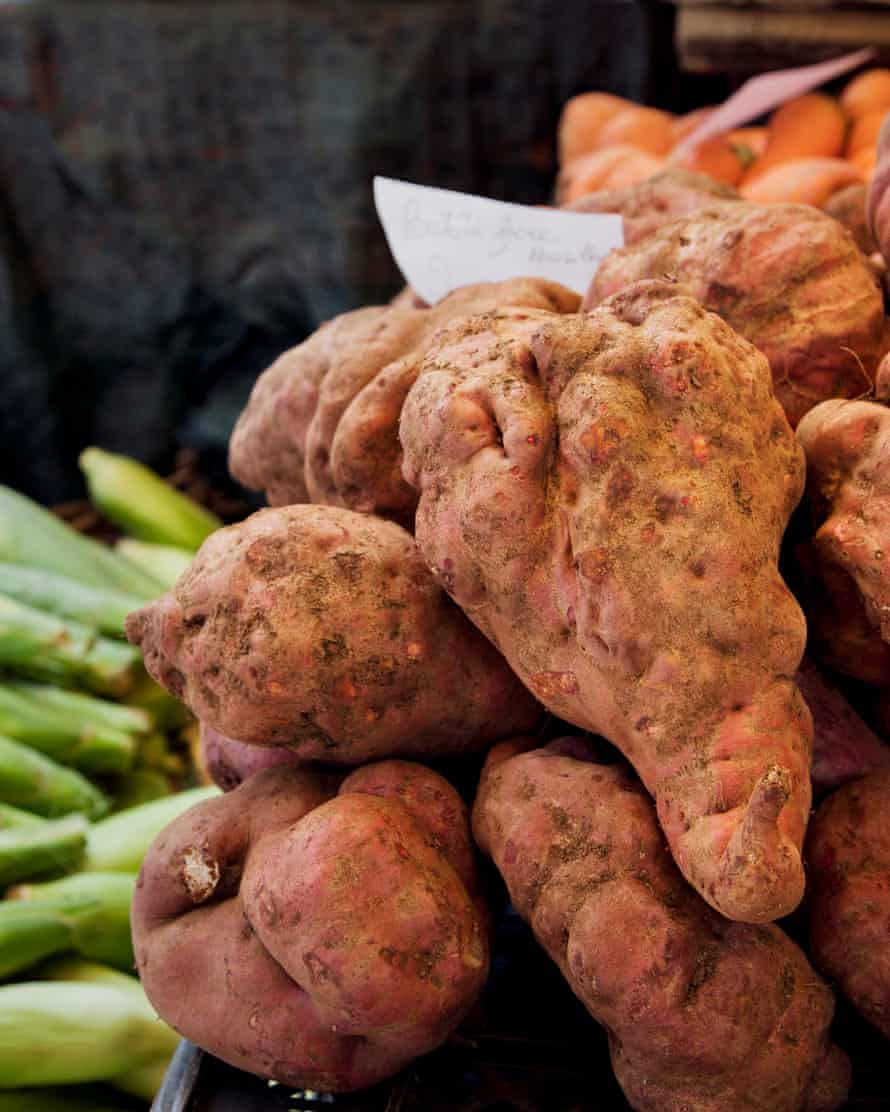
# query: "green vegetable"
32, 536
66, 736
65, 1032
46, 848
142, 785
46, 647
119, 843
87, 710
103, 609
142, 504
163, 561
11, 818
86, 912
141, 1080
35, 783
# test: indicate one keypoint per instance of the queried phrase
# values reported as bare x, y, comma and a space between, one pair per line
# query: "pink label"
766, 91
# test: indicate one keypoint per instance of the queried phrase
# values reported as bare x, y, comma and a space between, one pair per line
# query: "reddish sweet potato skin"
848, 893
844, 747
848, 207
788, 278
323, 938
604, 495
229, 763
701, 1013
649, 204
322, 631
845, 563
318, 427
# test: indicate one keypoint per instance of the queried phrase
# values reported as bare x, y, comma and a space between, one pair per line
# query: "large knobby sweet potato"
321, 424
787, 277
322, 630
605, 495
323, 938
702, 1013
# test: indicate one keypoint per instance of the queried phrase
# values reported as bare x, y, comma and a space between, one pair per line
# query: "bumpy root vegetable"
848, 207
229, 763
702, 1013
664, 197
322, 630
845, 581
787, 277
844, 747
848, 893
604, 495
323, 938
317, 428
882, 380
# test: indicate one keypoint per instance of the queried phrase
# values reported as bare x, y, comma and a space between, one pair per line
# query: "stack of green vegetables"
87, 779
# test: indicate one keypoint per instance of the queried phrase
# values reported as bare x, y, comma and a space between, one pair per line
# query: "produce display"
593, 588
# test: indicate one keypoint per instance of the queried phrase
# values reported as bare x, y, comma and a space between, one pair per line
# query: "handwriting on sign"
442, 239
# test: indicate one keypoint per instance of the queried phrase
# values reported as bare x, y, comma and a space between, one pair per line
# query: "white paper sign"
442, 239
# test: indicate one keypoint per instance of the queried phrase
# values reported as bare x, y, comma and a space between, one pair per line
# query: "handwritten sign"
442, 239
768, 90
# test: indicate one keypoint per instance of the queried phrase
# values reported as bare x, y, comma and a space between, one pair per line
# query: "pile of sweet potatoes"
504, 525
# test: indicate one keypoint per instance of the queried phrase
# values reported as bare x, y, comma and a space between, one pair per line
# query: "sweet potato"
845, 561
844, 747
879, 192
848, 207
604, 495
323, 938
882, 380
620, 166
787, 277
701, 1013
848, 893
311, 430
321, 630
658, 200
229, 763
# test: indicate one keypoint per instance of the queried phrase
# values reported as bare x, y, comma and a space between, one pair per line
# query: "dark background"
185, 187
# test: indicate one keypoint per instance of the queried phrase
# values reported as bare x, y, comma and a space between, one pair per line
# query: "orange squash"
803, 181
864, 132
649, 129
867, 92
609, 168
810, 126
582, 119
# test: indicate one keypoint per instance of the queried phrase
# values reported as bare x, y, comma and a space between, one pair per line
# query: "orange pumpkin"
867, 92
609, 168
582, 120
810, 126
649, 129
803, 181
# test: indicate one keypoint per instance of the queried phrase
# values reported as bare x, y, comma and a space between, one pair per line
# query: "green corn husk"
32, 536
142, 785
11, 818
46, 849
45, 647
143, 1080
87, 912
163, 561
87, 710
62, 735
119, 843
142, 504
102, 609
35, 783
82, 1098
67, 1032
